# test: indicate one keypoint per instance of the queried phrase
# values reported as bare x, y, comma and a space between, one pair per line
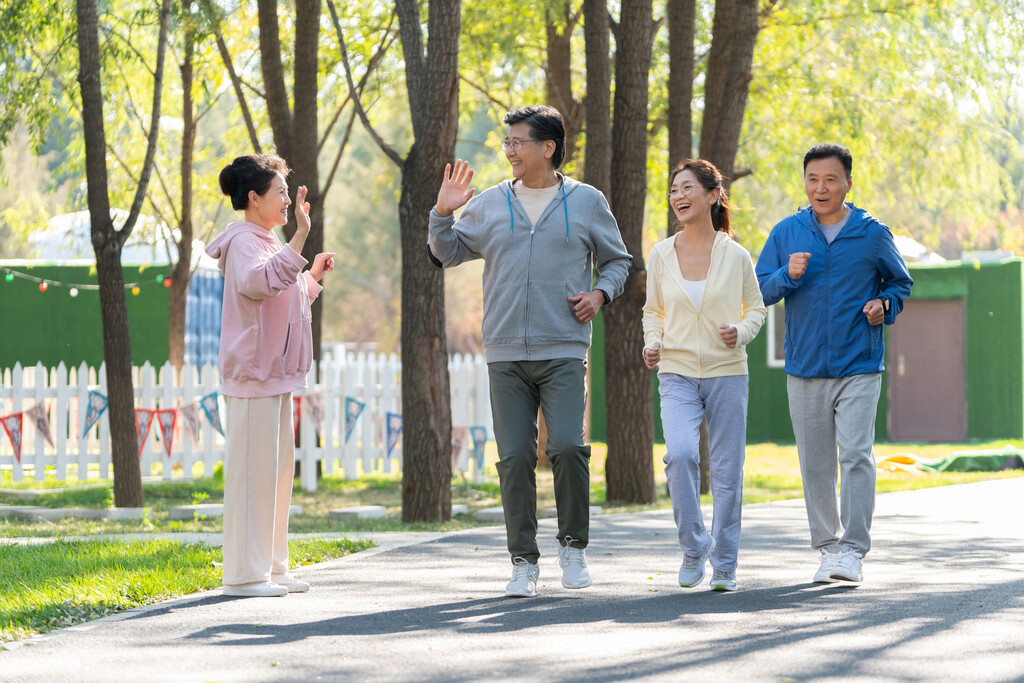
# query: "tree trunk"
181, 273
305, 141
559, 75
682, 21
433, 89
630, 466
597, 170
728, 81
107, 244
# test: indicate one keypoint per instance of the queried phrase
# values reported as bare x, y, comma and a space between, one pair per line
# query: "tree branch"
154, 129
341, 150
385, 147
236, 82
505, 106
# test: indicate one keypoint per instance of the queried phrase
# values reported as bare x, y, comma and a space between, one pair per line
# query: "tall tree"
432, 86
727, 84
682, 30
107, 243
630, 467
558, 31
597, 33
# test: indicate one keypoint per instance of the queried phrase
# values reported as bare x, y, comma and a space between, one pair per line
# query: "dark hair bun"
228, 180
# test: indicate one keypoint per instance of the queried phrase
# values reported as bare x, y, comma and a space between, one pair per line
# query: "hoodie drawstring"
565, 208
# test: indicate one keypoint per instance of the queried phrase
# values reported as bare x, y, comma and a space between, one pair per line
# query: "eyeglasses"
516, 144
683, 191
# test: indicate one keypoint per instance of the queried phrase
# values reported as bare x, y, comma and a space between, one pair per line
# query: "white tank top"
695, 290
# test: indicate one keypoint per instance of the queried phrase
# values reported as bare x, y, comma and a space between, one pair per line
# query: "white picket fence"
374, 380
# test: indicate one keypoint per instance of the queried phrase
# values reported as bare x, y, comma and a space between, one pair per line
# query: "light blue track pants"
684, 401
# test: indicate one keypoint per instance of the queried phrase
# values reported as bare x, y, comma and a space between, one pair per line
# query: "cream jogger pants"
258, 466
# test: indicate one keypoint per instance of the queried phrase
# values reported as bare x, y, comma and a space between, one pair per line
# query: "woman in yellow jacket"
703, 306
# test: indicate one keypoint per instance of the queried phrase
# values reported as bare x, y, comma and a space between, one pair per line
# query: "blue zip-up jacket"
827, 333
531, 270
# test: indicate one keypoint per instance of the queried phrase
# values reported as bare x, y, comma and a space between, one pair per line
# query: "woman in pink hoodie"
266, 349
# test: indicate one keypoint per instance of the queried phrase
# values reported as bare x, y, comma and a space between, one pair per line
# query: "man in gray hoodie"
540, 235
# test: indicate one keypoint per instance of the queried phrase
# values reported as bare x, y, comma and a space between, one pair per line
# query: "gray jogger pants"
834, 424
558, 388
684, 401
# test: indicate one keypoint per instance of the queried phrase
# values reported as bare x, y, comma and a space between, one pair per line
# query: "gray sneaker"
524, 579
848, 567
691, 573
723, 581
573, 562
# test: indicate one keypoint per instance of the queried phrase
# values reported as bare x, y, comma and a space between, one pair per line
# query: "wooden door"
927, 385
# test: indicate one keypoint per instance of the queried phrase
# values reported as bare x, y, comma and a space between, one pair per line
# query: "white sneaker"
691, 573
723, 581
827, 563
848, 567
524, 579
574, 565
290, 582
260, 589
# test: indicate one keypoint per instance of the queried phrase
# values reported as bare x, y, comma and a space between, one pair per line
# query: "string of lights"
73, 289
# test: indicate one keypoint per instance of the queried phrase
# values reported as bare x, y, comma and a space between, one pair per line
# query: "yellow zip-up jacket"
690, 343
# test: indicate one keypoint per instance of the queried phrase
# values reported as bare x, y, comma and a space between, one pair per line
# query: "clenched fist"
798, 264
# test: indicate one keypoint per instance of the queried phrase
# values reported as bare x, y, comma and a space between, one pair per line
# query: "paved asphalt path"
943, 599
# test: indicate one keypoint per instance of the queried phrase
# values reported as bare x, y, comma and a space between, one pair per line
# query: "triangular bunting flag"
296, 413
41, 419
479, 434
190, 419
12, 425
143, 422
97, 404
315, 408
212, 410
394, 429
166, 419
353, 409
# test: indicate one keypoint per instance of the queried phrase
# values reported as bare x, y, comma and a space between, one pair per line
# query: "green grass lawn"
51, 585
772, 472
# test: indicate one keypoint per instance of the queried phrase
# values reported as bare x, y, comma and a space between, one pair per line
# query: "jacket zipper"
828, 307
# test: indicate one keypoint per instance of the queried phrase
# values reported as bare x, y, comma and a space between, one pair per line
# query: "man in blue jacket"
541, 234
841, 276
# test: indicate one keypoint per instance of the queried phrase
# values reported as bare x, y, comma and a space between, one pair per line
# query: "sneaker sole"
721, 587
520, 595
843, 577
582, 585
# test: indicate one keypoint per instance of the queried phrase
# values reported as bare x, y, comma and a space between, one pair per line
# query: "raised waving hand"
455, 190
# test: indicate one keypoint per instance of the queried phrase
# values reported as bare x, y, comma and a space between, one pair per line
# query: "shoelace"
690, 562
566, 551
520, 568
719, 575
846, 560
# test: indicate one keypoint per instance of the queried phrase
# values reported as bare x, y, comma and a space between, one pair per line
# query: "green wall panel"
995, 356
52, 326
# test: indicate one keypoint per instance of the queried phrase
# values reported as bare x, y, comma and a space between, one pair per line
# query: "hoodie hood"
218, 248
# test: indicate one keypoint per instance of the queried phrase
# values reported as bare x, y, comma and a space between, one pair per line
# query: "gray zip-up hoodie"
531, 270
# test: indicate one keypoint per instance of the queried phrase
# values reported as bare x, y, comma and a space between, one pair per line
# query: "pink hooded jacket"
266, 337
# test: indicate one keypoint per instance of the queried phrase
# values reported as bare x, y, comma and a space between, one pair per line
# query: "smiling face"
690, 200
531, 163
826, 185
270, 209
